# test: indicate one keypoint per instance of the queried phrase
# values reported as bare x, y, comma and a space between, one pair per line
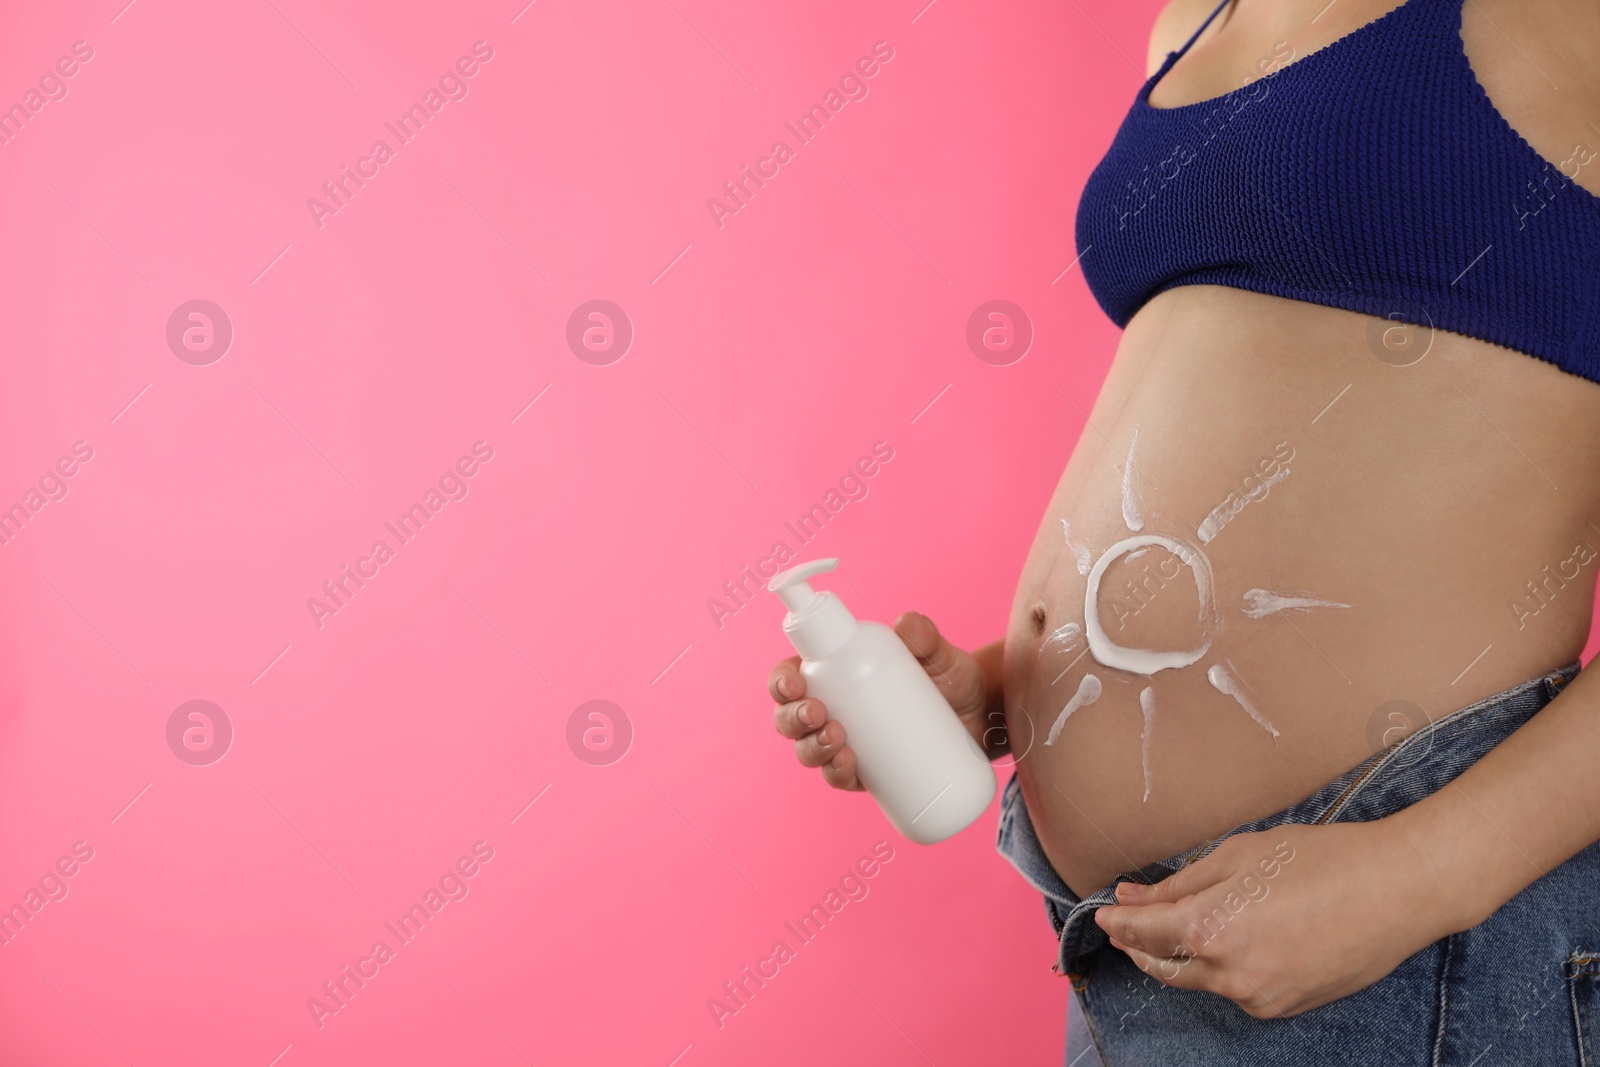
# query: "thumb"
937, 656
953, 671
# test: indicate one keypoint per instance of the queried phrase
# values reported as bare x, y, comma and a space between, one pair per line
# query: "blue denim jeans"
1522, 988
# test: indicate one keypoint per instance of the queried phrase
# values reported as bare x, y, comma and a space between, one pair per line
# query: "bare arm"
1520, 811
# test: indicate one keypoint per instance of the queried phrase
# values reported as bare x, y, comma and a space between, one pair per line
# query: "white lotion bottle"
913, 753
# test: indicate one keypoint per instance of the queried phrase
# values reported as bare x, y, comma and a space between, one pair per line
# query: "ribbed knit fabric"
1373, 175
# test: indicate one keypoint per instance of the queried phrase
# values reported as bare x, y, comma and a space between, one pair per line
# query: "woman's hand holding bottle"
970, 681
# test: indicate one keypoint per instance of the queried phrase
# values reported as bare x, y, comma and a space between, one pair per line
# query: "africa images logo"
852, 86
452, 85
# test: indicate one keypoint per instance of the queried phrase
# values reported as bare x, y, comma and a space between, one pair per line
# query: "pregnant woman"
1304, 767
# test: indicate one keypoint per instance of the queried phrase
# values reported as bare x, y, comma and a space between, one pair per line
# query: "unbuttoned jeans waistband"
1399, 776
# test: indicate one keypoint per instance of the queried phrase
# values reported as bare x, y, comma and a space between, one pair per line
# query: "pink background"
368, 355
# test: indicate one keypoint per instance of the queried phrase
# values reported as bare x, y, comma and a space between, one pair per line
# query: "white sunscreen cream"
1147, 704
1224, 512
1259, 603
1130, 493
1227, 685
1079, 552
1138, 660
1066, 635
1088, 692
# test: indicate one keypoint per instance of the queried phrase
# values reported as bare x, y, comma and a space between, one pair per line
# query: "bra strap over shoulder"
1196, 35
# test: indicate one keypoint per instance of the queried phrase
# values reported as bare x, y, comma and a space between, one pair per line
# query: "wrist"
1443, 862
991, 731
991, 666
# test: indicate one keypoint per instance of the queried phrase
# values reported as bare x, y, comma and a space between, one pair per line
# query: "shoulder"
1176, 20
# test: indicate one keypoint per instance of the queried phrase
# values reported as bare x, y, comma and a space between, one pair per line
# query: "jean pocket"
1583, 985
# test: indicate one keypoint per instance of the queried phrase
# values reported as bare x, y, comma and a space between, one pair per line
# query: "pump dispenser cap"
792, 587
817, 623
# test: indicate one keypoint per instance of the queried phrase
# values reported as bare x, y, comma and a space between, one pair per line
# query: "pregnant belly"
1286, 538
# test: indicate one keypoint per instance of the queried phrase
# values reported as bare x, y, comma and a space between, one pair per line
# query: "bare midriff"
1449, 504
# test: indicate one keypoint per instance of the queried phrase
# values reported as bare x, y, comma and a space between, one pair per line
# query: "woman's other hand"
1282, 921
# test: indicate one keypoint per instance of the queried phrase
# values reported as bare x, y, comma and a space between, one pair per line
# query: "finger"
1157, 929
1178, 973
821, 745
923, 638
785, 683
840, 772
1202, 874
796, 720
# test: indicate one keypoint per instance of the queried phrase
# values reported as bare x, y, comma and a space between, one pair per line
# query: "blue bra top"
1373, 175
